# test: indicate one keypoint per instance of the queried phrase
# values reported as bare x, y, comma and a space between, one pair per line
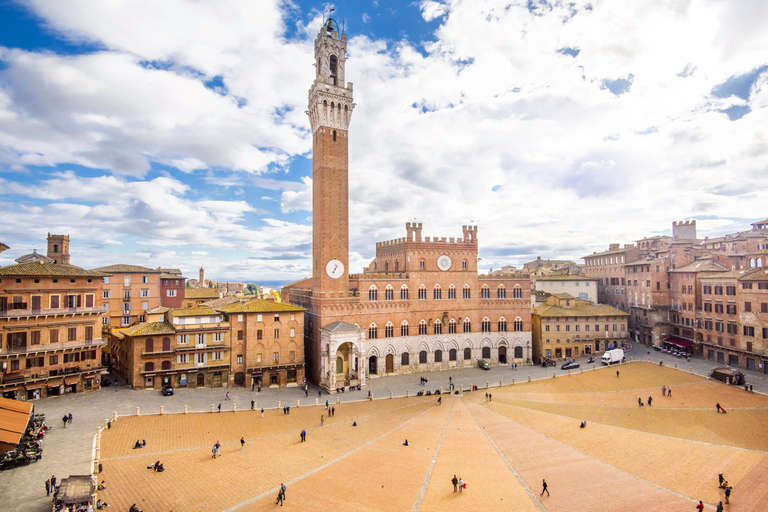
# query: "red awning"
678, 342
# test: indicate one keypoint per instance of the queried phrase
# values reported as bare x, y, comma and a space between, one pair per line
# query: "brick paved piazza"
663, 457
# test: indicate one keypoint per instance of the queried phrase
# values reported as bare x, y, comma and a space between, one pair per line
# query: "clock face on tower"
444, 262
334, 269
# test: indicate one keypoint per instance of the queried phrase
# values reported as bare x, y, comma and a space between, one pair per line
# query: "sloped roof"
157, 310
340, 327
565, 296
201, 293
148, 329
578, 311
703, 265
300, 284
260, 306
14, 416
40, 268
565, 277
759, 274
34, 256
222, 302
166, 275
127, 269
201, 311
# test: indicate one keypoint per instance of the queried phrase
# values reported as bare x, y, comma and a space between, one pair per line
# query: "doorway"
502, 355
390, 361
372, 364
200, 380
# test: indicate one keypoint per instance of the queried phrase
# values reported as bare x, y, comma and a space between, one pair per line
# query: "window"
517, 292
277, 333
501, 292
466, 292
404, 293
423, 357
747, 307
452, 326
292, 332
125, 321
53, 336
106, 294
144, 293
145, 305
404, 329
467, 325
467, 353
422, 327
731, 328
275, 357
730, 290
404, 359
34, 337
240, 335
718, 290
53, 360
127, 281
708, 307
452, 354
546, 328
438, 356
518, 325
389, 330
291, 355
170, 293
438, 327
72, 334
201, 358
106, 279
218, 337
373, 293
485, 325
485, 292
707, 289
218, 356
749, 331
719, 308
258, 318
764, 307
149, 367
389, 293
421, 264
437, 293
452, 292
463, 267
502, 325
422, 292
182, 339
182, 359
258, 334
373, 332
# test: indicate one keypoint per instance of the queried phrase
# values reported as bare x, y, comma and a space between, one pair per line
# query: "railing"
13, 313
46, 347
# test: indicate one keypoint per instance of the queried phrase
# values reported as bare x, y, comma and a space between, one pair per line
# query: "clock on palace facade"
444, 262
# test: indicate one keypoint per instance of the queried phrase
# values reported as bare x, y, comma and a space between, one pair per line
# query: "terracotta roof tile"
149, 329
127, 269
202, 311
37, 268
579, 311
201, 293
260, 306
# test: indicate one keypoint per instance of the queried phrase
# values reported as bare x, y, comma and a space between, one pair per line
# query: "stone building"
50, 327
542, 267
581, 287
420, 305
567, 327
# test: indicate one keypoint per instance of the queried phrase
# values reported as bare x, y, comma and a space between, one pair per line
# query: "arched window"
422, 327
452, 354
373, 293
404, 329
421, 264
166, 365
423, 357
149, 345
438, 327
486, 325
467, 325
517, 292
166, 344
403, 292
149, 367
485, 292
333, 69
518, 324
389, 293
386, 266
502, 325
397, 265
437, 292
404, 359
501, 292
438, 356
486, 352
452, 292
389, 330
518, 352
373, 332
467, 293
422, 292
467, 354
55, 248
452, 326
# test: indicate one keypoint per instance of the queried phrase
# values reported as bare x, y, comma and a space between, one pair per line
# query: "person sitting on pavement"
137, 445
583, 424
101, 486
101, 504
405, 443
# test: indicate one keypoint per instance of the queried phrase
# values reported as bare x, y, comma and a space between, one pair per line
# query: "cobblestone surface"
361, 456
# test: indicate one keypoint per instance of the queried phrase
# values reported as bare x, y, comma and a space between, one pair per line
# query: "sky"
174, 133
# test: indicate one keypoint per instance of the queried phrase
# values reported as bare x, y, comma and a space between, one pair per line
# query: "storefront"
34, 391
70, 384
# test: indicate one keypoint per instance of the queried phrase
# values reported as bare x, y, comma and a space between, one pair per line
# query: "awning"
678, 342
71, 380
14, 418
33, 386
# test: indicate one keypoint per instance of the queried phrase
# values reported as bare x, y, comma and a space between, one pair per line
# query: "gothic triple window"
452, 326
389, 330
485, 292
404, 293
422, 292
373, 332
452, 292
518, 324
389, 293
517, 292
486, 325
373, 293
437, 293
502, 325
422, 327
467, 292
438, 327
467, 325
501, 292
404, 329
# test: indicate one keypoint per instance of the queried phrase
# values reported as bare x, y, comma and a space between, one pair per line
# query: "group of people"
458, 484
640, 401
140, 444
665, 391
157, 466
67, 419
280, 494
727, 488
287, 409
423, 380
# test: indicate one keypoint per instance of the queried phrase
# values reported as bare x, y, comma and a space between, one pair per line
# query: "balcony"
26, 313
53, 347
127, 299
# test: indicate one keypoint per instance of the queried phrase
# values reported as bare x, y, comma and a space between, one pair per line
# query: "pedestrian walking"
544, 488
717, 406
669, 391
617, 374
262, 412
650, 399
720, 480
47, 487
226, 397
306, 391
253, 386
486, 395
439, 400
728, 495
65, 419
282, 489
279, 497
219, 407
719, 507
664, 390
333, 411
455, 483
326, 404
319, 393
490, 397
253, 404
461, 484
70, 418
53, 483
700, 506
640, 402
242, 443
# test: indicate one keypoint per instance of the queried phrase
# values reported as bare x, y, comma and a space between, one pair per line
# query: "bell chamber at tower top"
330, 99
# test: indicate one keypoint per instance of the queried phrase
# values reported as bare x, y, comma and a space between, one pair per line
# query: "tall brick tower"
330, 110
58, 248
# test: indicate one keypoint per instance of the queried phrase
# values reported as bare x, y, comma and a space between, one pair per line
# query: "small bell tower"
58, 248
330, 111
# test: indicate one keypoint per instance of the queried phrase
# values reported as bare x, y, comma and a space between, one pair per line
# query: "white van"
613, 356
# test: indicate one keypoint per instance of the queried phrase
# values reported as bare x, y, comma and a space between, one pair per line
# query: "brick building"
129, 291
195, 297
581, 287
172, 290
420, 305
567, 327
50, 327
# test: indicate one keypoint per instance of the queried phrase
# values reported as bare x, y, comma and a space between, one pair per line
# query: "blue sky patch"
738, 85
573, 52
618, 86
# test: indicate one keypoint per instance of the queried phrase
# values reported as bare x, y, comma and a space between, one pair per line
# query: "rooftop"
126, 269
148, 329
566, 277
578, 311
41, 268
260, 306
201, 293
201, 311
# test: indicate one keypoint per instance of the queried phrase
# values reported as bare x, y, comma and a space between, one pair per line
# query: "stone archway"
373, 363
240, 379
502, 355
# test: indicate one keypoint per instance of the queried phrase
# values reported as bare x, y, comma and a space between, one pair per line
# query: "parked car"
482, 363
570, 365
167, 391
